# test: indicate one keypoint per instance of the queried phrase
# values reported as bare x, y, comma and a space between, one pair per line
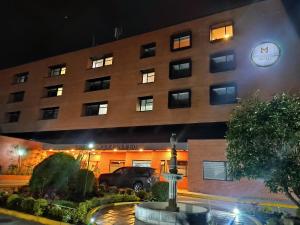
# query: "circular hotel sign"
265, 54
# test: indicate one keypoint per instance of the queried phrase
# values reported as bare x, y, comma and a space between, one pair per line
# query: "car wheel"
138, 186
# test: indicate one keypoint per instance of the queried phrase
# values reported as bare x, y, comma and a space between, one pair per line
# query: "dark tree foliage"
53, 174
264, 142
83, 180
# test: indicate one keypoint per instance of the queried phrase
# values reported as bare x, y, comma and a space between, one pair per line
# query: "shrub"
102, 188
55, 212
3, 199
65, 203
27, 204
83, 179
129, 191
14, 202
160, 191
130, 198
143, 195
67, 215
39, 206
113, 190
80, 213
52, 175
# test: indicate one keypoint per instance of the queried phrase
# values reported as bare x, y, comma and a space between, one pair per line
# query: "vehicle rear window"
144, 171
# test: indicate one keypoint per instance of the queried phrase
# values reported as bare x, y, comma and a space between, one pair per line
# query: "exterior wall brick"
215, 150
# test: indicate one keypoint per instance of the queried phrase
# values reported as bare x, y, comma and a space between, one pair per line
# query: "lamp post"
90, 147
173, 176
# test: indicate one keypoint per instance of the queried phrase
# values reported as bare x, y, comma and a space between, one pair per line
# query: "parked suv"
137, 178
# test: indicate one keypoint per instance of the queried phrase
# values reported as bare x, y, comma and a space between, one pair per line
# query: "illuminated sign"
265, 54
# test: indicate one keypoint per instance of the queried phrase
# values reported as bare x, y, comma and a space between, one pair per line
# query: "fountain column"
173, 177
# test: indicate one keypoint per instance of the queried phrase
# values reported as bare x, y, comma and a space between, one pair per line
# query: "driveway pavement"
8, 220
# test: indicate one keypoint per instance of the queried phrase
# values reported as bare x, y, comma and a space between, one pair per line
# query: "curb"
94, 210
236, 200
30, 217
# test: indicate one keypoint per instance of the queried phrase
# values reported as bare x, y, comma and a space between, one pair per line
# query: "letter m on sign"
264, 50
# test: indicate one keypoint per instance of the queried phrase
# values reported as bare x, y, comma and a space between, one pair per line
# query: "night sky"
37, 29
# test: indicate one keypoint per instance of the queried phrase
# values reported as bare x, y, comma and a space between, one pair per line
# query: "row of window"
219, 94
178, 69
178, 41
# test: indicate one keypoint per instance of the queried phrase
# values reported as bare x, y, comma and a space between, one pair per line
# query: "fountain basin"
156, 213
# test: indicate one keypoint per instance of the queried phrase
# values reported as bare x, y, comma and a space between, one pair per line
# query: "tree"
83, 182
53, 174
264, 142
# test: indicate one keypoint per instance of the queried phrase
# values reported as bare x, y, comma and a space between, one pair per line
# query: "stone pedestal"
173, 179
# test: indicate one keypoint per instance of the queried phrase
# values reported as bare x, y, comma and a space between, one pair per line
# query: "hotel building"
129, 95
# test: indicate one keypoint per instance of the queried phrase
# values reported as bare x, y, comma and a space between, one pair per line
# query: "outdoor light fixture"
141, 149
236, 211
91, 145
115, 149
21, 152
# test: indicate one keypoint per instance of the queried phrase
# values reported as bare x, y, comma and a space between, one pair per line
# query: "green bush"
84, 179
129, 191
27, 205
113, 190
55, 212
14, 202
80, 213
52, 175
65, 203
3, 199
160, 191
143, 195
130, 198
40, 206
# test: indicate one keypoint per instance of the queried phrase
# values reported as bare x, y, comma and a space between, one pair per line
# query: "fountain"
171, 212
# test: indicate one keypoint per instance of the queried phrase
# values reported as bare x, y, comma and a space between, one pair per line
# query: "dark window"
21, 78
222, 61
57, 70
54, 91
95, 108
180, 68
106, 60
181, 41
222, 31
223, 94
148, 50
215, 170
145, 104
49, 113
181, 167
13, 116
98, 84
16, 97
179, 99
148, 76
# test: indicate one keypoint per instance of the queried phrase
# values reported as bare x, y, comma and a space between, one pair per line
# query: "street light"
21, 152
90, 147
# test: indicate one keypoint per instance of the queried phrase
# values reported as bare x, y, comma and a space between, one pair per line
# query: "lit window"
180, 69
98, 84
215, 170
49, 113
181, 41
57, 70
141, 163
16, 97
54, 91
221, 31
103, 109
97, 63
21, 78
179, 99
114, 165
148, 76
148, 50
12, 117
222, 61
145, 104
108, 61
223, 94
95, 108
